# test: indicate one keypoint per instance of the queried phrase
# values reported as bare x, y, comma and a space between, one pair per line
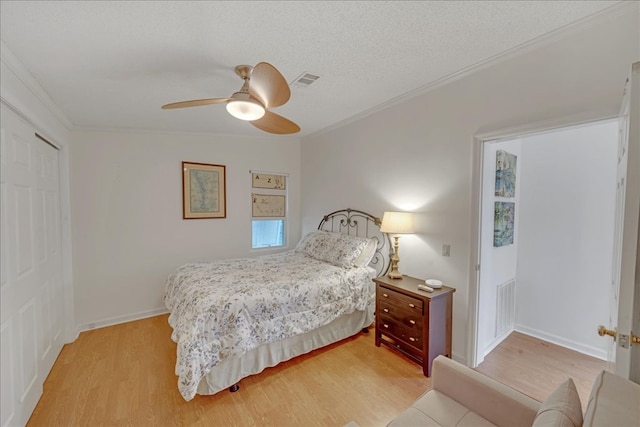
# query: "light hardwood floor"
537, 367
123, 375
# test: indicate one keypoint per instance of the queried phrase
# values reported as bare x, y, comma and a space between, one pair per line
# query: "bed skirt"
231, 371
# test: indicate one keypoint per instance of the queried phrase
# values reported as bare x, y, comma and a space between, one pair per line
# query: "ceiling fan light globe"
245, 110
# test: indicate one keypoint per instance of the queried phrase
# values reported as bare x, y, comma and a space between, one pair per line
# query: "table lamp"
396, 223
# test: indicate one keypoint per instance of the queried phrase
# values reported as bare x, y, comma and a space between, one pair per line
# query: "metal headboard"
361, 224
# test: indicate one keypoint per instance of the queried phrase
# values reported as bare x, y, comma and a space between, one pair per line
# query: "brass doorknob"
602, 331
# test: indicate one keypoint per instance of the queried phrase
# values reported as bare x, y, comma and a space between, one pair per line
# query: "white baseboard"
576, 346
457, 358
120, 319
496, 342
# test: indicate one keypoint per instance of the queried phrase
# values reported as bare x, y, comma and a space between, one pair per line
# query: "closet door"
32, 304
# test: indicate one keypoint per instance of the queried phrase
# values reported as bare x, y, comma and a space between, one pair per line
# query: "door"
624, 319
31, 286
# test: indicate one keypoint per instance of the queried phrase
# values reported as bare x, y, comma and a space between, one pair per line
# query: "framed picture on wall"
267, 205
505, 174
503, 223
270, 181
203, 191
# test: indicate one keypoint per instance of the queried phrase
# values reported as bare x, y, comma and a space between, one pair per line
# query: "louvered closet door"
31, 316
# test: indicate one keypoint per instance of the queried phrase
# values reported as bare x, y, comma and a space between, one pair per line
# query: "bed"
234, 318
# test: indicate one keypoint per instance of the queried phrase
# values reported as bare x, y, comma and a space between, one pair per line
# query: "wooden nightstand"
414, 322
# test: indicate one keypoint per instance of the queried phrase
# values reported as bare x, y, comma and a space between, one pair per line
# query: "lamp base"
394, 275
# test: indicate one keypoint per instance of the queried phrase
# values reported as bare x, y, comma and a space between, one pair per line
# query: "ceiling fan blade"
275, 123
268, 85
195, 103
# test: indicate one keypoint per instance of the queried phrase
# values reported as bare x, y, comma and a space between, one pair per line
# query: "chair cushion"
434, 409
561, 409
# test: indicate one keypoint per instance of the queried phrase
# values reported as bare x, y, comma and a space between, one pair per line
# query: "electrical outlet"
446, 250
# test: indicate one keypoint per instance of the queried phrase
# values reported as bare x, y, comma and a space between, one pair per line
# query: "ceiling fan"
264, 87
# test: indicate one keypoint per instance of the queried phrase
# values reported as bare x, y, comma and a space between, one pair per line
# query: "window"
268, 210
267, 233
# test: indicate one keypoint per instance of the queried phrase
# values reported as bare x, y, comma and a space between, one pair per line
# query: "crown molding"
21, 72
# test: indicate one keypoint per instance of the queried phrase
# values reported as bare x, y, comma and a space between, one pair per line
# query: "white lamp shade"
245, 110
397, 223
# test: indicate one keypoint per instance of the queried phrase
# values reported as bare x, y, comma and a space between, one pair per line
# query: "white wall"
497, 265
565, 248
418, 154
128, 231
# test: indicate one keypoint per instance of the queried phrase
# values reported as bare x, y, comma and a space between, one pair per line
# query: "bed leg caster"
365, 330
234, 388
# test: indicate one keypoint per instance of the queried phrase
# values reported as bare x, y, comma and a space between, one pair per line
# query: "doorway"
546, 246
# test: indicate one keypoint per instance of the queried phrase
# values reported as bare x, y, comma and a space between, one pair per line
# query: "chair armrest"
494, 401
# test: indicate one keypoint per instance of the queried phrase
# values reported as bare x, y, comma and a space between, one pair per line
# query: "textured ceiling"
112, 64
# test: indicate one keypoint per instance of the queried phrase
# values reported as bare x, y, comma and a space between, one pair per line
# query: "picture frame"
268, 181
506, 164
503, 223
203, 191
268, 206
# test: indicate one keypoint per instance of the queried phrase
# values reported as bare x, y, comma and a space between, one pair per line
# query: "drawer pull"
412, 339
386, 326
412, 306
385, 295
386, 310
413, 322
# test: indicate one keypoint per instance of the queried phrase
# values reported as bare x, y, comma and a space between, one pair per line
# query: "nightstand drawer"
406, 317
411, 336
400, 300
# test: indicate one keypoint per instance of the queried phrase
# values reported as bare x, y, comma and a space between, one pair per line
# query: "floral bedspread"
224, 308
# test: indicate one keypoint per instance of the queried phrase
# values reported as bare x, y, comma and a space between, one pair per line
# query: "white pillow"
335, 248
367, 253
